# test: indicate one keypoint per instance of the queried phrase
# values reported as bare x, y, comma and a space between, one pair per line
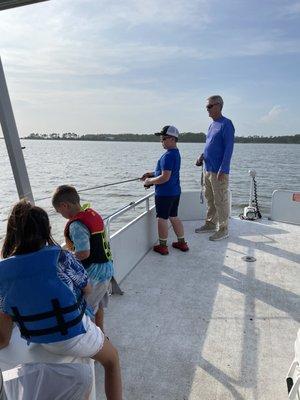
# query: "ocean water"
87, 164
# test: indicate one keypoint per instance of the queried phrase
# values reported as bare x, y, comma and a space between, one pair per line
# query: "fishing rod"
96, 187
91, 188
107, 184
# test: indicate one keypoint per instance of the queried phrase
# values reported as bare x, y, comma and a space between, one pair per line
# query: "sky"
133, 66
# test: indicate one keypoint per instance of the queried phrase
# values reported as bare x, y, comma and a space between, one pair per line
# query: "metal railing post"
123, 210
114, 284
12, 140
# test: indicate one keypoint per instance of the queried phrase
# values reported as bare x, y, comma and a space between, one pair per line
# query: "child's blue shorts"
166, 206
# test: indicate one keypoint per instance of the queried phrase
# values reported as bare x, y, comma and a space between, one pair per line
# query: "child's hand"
146, 175
148, 183
82, 255
6, 326
87, 289
200, 160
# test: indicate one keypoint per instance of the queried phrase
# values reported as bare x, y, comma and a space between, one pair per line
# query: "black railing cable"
255, 198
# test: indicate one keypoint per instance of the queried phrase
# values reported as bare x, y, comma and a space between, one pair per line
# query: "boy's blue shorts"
166, 206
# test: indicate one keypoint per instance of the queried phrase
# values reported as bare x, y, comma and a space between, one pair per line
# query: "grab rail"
123, 210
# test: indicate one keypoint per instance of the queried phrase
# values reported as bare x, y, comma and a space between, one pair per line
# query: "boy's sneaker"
163, 250
207, 227
183, 246
222, 233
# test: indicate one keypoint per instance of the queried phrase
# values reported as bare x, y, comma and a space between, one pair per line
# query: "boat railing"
125, 209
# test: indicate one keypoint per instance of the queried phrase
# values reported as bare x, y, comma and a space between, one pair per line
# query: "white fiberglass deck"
207, 325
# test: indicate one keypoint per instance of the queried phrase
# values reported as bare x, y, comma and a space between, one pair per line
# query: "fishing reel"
251, 212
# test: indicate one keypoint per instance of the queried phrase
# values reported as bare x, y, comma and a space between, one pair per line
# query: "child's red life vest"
99, 245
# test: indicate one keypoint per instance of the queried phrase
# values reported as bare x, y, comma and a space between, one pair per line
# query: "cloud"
61, 57
134, 13
272, 115
80, 38
291, 10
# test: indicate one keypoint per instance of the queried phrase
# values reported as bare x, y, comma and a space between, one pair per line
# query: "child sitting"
85, 235
41, 289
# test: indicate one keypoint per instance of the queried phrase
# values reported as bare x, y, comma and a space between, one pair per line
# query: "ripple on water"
87, 164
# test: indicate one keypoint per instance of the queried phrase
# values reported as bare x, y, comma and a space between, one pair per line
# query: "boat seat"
20, 362
48, 381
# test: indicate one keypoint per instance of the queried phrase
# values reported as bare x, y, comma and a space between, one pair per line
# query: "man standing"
217, 155
167, 191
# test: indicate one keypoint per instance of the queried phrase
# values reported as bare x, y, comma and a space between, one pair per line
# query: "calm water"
86, 164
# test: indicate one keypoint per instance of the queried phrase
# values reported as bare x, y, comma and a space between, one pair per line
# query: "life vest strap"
59, 316
58, 312
47, 314
18, 318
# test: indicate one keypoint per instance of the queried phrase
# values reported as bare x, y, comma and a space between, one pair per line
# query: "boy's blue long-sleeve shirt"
219, 146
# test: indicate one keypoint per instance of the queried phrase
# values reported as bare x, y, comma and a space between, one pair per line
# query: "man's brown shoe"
207, 227
222, 233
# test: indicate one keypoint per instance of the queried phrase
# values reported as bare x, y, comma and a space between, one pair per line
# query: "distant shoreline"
188, 137
183, 138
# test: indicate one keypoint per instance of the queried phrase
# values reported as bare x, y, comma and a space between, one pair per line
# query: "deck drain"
248, 258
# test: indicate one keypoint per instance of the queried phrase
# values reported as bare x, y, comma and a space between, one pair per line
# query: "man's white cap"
169, 130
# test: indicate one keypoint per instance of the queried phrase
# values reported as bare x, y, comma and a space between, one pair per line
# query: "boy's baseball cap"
169, 130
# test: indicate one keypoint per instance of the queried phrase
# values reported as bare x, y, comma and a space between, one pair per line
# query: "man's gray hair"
217, 99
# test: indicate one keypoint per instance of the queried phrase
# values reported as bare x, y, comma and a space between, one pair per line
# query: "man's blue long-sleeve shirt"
219, 146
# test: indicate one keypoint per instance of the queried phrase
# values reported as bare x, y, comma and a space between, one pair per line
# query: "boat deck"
207, 325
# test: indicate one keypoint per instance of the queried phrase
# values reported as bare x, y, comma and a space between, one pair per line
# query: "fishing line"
95, 187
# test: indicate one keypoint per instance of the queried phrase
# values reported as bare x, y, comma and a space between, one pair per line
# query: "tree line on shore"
187, 137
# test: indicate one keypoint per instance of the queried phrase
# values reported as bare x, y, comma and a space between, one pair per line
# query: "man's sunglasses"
163, 138
209, 106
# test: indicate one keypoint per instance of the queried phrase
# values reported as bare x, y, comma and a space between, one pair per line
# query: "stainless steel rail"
110, 218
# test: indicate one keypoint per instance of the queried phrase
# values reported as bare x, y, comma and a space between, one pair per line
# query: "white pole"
12, 140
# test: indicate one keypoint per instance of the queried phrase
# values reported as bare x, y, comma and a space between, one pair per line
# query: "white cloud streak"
272, 115
58, 40
291, 10
64, 57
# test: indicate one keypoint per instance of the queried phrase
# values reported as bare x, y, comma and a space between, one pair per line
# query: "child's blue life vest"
44, 308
